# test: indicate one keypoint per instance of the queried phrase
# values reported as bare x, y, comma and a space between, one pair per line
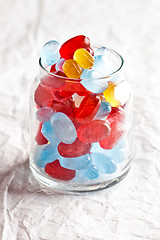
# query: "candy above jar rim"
97, 78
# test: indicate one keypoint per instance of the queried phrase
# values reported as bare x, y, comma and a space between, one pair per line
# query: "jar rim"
98, 78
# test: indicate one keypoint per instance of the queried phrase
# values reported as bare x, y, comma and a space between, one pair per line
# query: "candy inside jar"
81, 117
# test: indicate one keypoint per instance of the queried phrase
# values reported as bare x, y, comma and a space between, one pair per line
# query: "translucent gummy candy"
55, 170
76, 149
93, 81
88, 108
50, 52
90, 173
76, 163
109, 95
70, 46
49, 154
103, 163
63, 128
50, 135
72, 69
94, 131
84, 58
103, 65
44, 114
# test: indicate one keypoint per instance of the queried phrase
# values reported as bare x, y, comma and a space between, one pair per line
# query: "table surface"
130, 209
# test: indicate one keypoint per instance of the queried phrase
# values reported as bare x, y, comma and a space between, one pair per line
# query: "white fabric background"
129, 210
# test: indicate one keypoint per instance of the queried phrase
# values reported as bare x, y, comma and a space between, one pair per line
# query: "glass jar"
81, 140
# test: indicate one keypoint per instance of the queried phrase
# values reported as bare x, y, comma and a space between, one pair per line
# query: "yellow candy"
109, 95
72, 69
84, 58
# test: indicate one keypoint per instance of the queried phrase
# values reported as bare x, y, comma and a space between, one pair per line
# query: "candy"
44, 114
43, 96
109, 95
117, 152
59, 64
69, 47
84, 58
104, 110
90, 173
93, 131
93, 81
76, 163
40, 139
103, 163
103, 65
48, 132
49, 154
88, 108
55, 170
62, 107
67, 90
63, 128
52, 81
76, 149
53, 68
80, 89
50, 52
115, 119
72, 69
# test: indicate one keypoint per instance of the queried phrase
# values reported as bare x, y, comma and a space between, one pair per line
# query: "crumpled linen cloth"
126, 211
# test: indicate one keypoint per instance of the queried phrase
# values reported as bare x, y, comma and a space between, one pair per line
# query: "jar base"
74, 187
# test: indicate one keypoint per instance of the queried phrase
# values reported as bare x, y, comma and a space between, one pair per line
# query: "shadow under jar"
81, 140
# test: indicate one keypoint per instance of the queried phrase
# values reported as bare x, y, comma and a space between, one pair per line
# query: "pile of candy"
80, 121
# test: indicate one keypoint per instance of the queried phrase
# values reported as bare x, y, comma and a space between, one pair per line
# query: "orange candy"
72, 69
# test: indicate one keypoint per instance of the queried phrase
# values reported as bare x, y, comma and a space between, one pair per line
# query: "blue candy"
49, 134
103, 65
76, 163
117, 153
63, 128
50, 52
103, 163
93, 82
49, 154
104, 110
90, 173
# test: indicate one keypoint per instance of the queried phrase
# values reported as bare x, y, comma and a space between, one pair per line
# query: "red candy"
53, 81
66, 90
40, 139
62, 107
80, 90
116, 122
69, 47
53, 68
88, 108
93, 131
43, 96
55, 170
76, 149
